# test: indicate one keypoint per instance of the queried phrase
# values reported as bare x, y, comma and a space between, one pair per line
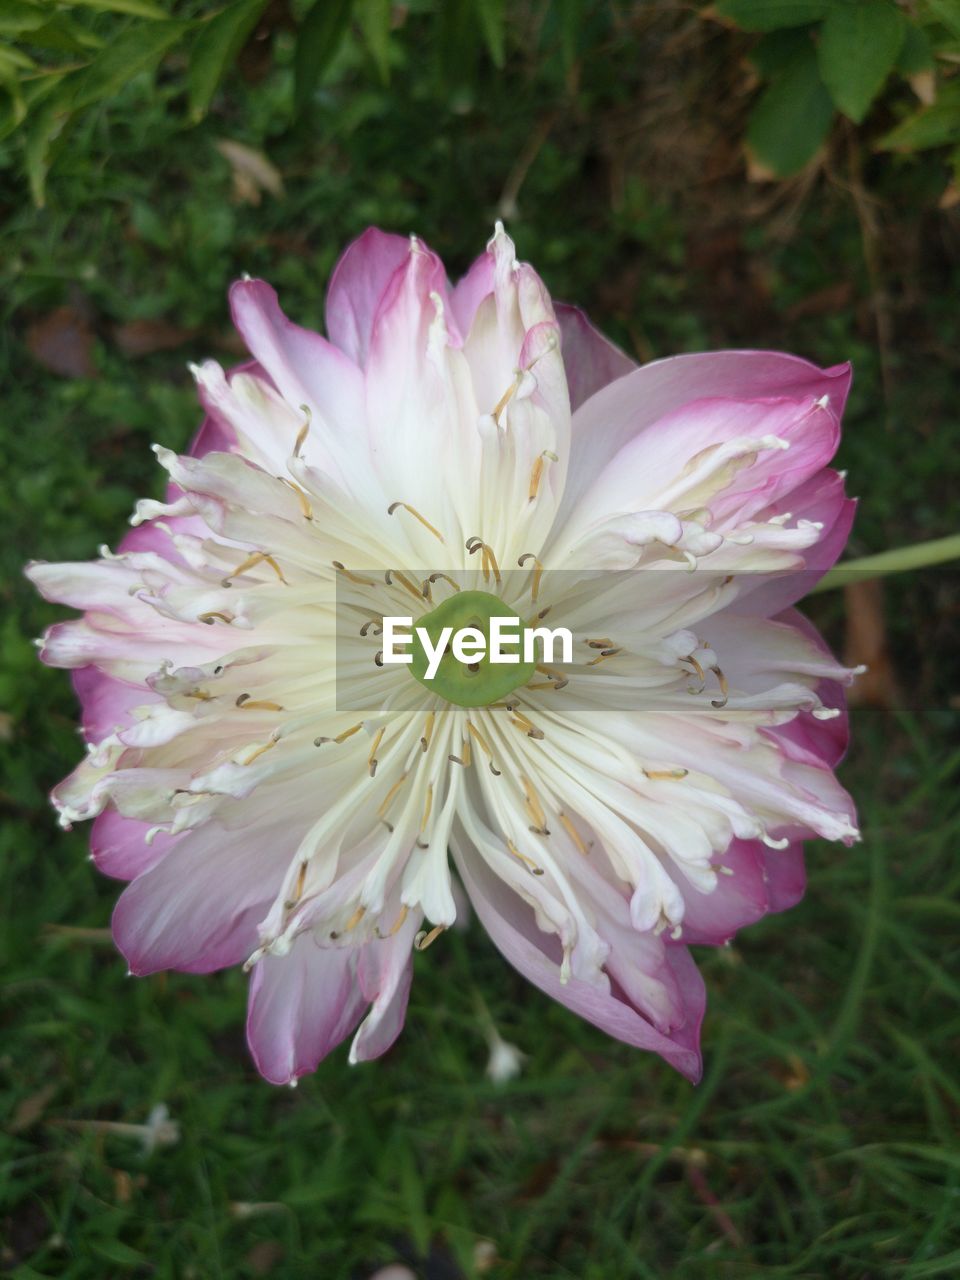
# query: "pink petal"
106, 701
197, 910
385, 973
356, 290
301, 1006
119, 848
606, 422
511, 925
468, 293
591, 360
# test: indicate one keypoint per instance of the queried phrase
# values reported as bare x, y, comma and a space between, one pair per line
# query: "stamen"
537, 572
209, 617
467, 758
427, 731
355, 919
527, 862
536, 475
297, 894
354, 577
529, 728
398, 923
404, 581
488, 559
559, 680
665, 775
484, 745
341, 737
376, 623
700, 672
724, 690
602, 657
600, 644
257, 704
304, 430
388, 799
573, 833
372, 757
534, 808
260, 750
425, 939
301, 497
428, 806
417, 516
251, 562
434, 577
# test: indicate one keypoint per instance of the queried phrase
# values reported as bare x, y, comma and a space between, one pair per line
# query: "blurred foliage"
60, 59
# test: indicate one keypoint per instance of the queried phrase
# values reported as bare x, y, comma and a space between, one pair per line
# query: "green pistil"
479, 682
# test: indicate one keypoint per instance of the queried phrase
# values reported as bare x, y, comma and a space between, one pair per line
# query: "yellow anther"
536, 475
425, 939
427, 809
372, 757
435, 577
208, 618
303, 432
417, 516
259, 751
404, 581
724, 690
301, 497
602, 657
573, 833
488, 561
702, 675
427, 731
388, 798
354, 577
534, 807
484, 745
355, 919
558, 679
399, 922
537, 573
527, 862
297, 894
257, 704
251, 562
665, 775
529, 728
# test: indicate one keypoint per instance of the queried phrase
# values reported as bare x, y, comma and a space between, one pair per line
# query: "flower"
603, 815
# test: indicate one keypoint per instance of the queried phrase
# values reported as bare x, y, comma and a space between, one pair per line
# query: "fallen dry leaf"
32, 1108
62, 341
144, 337
865, 641
252, 172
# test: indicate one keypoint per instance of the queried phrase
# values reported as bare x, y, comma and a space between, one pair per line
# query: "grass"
822, 1141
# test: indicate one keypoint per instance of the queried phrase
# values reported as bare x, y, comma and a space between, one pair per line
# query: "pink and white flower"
650, 795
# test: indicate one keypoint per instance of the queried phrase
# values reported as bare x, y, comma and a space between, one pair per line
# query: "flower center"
481, 645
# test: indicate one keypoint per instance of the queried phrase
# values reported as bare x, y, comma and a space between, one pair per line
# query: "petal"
612, 417
106, 702
118, 845
301, 1006
197, 910
357, 286
590, 359
385, 972
510, 923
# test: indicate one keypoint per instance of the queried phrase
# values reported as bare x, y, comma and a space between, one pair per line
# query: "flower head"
280, 797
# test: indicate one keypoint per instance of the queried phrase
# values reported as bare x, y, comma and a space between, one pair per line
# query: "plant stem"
920, 556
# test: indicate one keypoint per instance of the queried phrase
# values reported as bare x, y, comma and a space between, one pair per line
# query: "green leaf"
374, 19
859, 44
791, 119
215, 49
916, 52
13, 60
65, 35
41, 129
934, 126
490, 14
570, 20
17, 16
771, 15
947, 12
137, 49
317, 41
774, 53
137, 8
